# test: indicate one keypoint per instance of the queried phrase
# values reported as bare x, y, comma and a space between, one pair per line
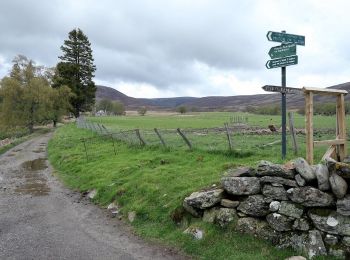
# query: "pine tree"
76, 70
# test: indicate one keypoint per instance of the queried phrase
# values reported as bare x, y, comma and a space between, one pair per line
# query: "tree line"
32, 94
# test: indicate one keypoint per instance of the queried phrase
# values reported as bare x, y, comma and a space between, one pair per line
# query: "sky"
163, 48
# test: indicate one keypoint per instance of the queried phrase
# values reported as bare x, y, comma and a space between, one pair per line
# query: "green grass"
205, 120
153, 181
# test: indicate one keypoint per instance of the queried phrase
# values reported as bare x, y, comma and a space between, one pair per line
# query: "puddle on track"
35, 165
34, 183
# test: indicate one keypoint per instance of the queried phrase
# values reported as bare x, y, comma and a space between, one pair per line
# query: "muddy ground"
41, 219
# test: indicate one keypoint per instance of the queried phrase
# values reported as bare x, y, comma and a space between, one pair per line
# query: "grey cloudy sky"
159, 48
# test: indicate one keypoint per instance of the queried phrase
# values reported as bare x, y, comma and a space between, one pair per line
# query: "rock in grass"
338, 185
266, 168
131, 216
255, 206
92, 194
299, 257
310, 197
229, 203
195, 232
304, 169
322, 176
241, 185
343, 206
280, 222
204, 199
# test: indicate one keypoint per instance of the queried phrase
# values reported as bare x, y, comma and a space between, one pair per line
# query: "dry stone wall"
306, 207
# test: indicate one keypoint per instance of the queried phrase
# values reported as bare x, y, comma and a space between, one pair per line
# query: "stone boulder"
241, 185
343, 169
274, 193
304, 169
266, 168
301, 224
291, 209
279, 222
209, 215
343, 206
203, 199
258, 228
254, 205
195, 232
278, 180
274, 206
229, 203
225, 216
300, 180
331, 240
315, 245
240, 172
310, 197
338, 185
330, 221
322, 176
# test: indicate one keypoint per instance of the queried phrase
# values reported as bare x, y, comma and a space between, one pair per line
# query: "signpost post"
282, 56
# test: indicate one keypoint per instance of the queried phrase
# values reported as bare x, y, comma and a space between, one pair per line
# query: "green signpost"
283, 51
282, 62
283, 56
285, 38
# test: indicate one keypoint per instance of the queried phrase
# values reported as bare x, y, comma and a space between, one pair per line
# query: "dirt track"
40, 219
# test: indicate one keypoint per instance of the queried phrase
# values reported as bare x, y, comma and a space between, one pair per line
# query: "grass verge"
153, 182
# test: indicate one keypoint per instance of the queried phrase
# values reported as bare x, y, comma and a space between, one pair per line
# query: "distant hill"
212, 103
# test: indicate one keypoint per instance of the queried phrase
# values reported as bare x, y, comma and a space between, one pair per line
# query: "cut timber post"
337, 150
142, 142
341, 126
309, 112
228, 137
185, 138
160, 137
292, 132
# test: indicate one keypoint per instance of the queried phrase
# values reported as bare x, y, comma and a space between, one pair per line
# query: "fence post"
228, 136
185, 138
142, 142
292, 132
159, 136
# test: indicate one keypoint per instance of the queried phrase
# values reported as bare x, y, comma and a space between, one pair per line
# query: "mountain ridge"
210, 103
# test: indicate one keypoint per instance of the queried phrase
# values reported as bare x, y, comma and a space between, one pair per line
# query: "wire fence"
232, 137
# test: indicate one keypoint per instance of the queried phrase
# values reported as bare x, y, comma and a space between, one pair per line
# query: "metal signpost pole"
284, 112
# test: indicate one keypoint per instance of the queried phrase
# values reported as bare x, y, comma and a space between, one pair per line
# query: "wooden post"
185, 138
228, 137
309, 127
292, 132
160, 137
341, 126
142, 142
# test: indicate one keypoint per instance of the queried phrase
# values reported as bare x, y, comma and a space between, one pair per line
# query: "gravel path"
40, 219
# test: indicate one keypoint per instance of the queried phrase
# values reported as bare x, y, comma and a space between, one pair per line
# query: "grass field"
153, 181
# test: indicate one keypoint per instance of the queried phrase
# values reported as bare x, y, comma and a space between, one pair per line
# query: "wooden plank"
341, 126
330, 142
185, 138
228, 136
292, 132
309, 127
325, 91
329, 153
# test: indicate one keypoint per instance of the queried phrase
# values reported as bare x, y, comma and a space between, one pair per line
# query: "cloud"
177, 48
